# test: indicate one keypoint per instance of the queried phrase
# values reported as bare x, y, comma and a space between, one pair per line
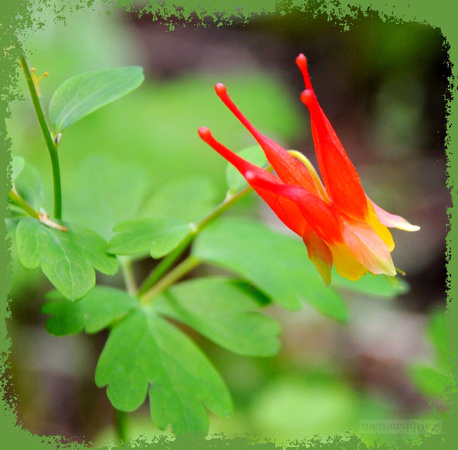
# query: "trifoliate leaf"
158, 236
225, 311
67, 258
84, 93
94, 312
275, 263
145, 355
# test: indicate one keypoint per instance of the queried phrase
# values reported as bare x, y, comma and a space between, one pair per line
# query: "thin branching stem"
171, 259
48, 138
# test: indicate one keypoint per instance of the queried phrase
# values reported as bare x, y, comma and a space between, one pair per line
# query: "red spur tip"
204, 133
220, 89
307, 96
301, 60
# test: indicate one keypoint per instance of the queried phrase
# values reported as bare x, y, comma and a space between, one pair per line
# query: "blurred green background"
383, 85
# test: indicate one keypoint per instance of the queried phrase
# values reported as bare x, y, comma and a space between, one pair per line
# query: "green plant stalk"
168, 280
128, 274
48, 139
169, 260
120, 420
17, 200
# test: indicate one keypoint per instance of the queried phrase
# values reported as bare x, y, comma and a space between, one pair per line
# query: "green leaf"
225, 311
437, 330
253, 154
67, 258
159, 236
17, 164
369, 284
429, 380
84, 93
27, 182
94, 312
188, 199
277, 264
146, 355
102, 191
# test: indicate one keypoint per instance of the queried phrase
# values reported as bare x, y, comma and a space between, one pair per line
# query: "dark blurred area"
384, 87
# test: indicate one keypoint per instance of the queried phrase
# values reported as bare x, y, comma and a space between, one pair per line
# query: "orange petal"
391, 220
383, 232
367, 247
319, 253
346, 264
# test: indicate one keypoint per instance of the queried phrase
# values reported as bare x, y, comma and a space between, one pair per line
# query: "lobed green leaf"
275, 263
145, 355
67, 258
158, 236
97, 310
84, 93
225, 311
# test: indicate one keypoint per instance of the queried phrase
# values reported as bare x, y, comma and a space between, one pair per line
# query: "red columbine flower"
339, 224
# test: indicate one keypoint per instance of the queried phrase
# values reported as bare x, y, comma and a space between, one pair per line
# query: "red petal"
286, 210
318, 214
289, 169
339, 175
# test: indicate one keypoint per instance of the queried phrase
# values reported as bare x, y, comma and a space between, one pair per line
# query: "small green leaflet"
94, 312
84, 93
225, 311
27, 183
67, 258
430, 380
275, 263
145, 355
158, 236
435, 379
17, 164
254, 155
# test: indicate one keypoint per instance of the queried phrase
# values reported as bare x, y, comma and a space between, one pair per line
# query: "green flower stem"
128, 274
48, 138
169, 260
17, 200
120, 419
174, 275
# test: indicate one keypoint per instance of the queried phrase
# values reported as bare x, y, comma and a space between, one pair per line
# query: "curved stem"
128, 274
169, 260
17, 200
174, 275
48, 138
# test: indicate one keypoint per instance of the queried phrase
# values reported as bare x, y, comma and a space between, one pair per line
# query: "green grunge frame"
18, 15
